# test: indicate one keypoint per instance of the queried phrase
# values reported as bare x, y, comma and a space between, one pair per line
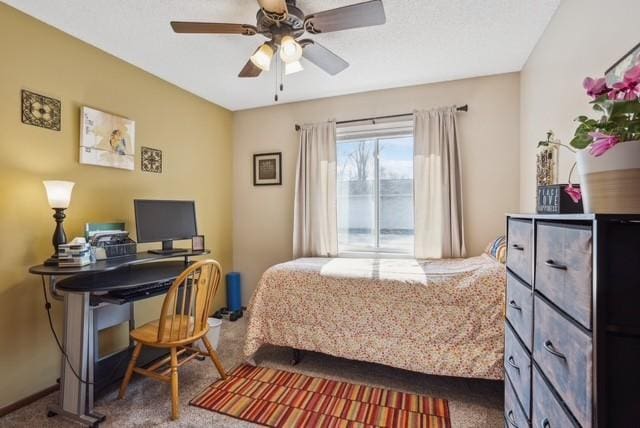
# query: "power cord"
47, 306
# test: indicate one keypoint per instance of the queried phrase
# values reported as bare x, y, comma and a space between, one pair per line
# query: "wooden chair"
182, 322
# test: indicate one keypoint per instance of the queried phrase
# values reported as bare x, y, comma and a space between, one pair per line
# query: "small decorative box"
554, 200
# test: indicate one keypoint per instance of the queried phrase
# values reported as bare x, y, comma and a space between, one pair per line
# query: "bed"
441, 317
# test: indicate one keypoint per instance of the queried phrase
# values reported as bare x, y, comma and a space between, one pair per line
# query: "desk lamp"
59, 196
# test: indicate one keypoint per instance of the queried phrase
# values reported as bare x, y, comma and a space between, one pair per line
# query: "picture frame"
267, 169
615, 73
197, 243
107, 139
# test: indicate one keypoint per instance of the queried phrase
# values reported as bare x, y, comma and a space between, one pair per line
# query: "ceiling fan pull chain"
276, 80
280, 73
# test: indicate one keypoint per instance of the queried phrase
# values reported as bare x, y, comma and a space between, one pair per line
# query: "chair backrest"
186, 306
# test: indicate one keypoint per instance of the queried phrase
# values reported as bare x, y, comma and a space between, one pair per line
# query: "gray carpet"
473, 403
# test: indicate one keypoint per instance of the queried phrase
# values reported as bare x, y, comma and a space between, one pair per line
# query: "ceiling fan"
283, 23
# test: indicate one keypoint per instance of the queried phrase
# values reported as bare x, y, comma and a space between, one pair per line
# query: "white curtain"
437, 171
315, 218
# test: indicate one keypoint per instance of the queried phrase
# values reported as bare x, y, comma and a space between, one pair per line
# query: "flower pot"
610, 183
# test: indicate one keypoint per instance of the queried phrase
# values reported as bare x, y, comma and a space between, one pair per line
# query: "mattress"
441, 317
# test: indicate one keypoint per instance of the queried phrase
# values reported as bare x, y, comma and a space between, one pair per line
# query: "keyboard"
142, 292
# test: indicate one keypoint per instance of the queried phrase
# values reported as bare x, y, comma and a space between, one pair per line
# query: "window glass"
375, 194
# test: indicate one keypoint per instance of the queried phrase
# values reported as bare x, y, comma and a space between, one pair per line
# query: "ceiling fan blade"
274, 6
322, 57
343, 18
213, 28
250, 70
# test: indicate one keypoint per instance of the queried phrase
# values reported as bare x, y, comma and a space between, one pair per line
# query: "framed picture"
267, 169
106, 139
197, 243
38, 110
615, 73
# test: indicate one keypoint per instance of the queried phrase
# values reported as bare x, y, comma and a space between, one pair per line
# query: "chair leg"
214, 357
175, 397
129, 373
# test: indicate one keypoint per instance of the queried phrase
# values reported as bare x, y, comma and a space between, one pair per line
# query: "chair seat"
182, 328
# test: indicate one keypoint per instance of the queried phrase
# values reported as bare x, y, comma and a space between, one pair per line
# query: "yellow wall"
194, 135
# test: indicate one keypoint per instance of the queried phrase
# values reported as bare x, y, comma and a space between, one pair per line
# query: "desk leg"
74, 394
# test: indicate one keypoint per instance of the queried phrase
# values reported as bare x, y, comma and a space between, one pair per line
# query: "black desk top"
112, 264
129, 276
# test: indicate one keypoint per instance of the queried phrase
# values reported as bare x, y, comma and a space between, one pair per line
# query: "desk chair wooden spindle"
183, 321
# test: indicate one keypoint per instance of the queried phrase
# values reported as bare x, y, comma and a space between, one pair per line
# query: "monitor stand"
167, 248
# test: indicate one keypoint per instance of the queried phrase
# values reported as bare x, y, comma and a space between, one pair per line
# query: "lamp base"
51, 261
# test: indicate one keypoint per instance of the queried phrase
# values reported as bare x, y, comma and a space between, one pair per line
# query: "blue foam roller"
234, 291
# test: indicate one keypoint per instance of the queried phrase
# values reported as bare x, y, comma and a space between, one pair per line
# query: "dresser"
572, 329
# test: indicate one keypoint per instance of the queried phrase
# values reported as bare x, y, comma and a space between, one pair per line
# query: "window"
375, 190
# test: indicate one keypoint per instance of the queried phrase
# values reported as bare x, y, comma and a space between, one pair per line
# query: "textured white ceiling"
423, 41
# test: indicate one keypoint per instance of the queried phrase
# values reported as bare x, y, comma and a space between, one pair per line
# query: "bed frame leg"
297, 356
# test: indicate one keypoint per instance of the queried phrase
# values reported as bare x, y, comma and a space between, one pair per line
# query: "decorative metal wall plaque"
151, 160
38, 110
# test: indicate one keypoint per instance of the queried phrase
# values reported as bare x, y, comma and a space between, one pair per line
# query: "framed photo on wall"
267, 169
615, 73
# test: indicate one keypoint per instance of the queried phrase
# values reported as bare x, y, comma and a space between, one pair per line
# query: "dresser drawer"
517, 364
547, 412
513, 414
520, 248
563, 352
520, 309
564, 268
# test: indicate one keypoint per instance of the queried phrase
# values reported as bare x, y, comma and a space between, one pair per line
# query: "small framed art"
151, 160
267, 169
38, 110
197, 243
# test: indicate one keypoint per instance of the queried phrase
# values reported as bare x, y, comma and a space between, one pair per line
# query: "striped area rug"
278, 398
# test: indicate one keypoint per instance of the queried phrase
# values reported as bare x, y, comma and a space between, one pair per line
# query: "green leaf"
581, 141
620, 109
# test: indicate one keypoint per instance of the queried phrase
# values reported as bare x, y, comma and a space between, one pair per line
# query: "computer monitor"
165, 221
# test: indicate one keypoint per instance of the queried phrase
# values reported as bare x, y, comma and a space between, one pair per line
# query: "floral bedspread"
442, 317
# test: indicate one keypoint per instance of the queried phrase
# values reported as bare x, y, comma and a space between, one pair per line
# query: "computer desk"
88, 310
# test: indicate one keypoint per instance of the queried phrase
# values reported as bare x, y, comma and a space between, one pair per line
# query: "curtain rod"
393, 116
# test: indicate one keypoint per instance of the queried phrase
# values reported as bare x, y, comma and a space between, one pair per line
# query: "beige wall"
195, 137
263, 216
584, 38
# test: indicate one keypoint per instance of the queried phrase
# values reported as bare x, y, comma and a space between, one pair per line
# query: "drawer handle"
545, 423
511, 419
512, 363
549, 347
517, 247
554, 265
515, 306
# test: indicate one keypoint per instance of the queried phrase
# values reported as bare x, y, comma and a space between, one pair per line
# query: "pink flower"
602, 143
629, 88
574, 193
595, 87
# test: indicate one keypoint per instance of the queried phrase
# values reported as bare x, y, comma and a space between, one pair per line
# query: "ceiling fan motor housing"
275, 27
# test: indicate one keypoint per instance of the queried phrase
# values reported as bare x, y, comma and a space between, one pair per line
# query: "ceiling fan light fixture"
290, 50
293, 67
262, 57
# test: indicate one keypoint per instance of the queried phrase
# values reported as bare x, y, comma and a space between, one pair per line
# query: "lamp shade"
262, 57
58, 193
290, 50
